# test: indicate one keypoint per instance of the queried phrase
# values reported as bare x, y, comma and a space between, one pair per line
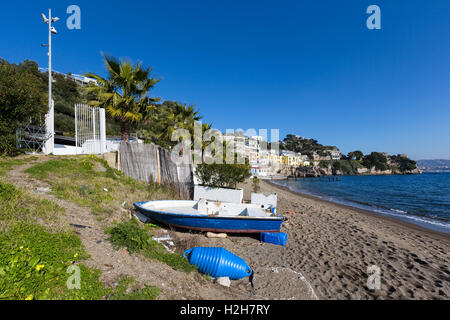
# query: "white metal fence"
90, 130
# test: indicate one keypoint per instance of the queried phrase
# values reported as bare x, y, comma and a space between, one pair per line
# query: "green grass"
36, 249
34, 262
7, 164
17, 205
136, 238
123, 292
36, 244
34, 265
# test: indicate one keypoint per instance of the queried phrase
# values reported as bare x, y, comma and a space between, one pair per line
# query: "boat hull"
213, 223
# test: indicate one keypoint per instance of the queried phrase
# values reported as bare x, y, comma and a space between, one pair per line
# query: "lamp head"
44, 18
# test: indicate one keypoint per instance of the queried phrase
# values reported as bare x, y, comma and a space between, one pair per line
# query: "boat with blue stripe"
213, 216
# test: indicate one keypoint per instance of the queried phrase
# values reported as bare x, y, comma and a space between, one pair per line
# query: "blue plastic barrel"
278, 238
218, 262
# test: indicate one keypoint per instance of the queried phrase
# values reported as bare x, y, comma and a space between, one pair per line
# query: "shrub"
345, 166
131, 235
222, 175
21, 100
325, 163
255, 184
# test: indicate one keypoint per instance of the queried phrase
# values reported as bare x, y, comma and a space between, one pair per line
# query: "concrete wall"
112, 158
218, 194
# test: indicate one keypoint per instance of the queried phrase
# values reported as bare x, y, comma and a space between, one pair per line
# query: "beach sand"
329, 250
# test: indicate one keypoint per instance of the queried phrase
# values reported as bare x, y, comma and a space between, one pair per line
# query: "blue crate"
278, 238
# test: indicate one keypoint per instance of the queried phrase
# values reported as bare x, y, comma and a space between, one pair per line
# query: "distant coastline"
434, 165
406, 224
412, 208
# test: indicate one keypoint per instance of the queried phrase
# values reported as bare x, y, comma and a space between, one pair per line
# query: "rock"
216, 235
43, 190
362, 170
224, 281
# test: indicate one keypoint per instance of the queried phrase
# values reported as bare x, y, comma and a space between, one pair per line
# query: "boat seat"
253, 212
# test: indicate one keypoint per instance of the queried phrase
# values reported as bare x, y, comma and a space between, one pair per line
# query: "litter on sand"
279, 238
224, 281
216, 235
166, 241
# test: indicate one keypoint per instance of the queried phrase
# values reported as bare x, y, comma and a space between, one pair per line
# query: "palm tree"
125, 93
178, 116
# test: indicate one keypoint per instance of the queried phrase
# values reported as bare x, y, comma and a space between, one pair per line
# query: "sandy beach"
329, 250
327, 255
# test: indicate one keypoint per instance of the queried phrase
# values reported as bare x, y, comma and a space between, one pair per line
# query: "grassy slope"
90, 182
36, 246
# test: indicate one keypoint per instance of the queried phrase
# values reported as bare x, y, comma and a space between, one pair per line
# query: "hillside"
66, 93
435, 165
353, 163
305, 146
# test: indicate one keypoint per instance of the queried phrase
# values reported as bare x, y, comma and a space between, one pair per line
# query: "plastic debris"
141, 217
43, 190
166, 239
218, 262
224, 281
279, 238
216, 235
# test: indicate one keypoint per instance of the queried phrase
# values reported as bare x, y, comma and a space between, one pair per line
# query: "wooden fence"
151, 163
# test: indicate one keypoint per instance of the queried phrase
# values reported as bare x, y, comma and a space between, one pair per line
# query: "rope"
300, 276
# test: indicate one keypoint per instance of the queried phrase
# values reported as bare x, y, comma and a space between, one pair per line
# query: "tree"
125, 93
255, 185
404, 163
355, 155
22, 100
358, 154
180, 116
377, 160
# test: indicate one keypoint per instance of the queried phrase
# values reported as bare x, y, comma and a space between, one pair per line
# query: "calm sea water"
420, 199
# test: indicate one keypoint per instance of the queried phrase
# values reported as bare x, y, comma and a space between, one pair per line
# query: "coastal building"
78, 79
252, 149
264, 161
292, 159
258, 171
334, 154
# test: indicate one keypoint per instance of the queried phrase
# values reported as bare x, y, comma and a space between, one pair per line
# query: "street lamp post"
49, 122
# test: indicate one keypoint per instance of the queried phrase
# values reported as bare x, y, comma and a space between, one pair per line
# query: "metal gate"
90, 130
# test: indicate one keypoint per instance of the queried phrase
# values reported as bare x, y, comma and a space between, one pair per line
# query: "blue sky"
310, 68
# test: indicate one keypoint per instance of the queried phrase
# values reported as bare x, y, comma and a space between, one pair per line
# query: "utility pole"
50, 121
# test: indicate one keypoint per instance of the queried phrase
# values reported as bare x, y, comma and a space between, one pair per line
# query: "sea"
422, 199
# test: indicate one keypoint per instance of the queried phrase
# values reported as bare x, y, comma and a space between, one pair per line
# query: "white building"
258, 171
335, 155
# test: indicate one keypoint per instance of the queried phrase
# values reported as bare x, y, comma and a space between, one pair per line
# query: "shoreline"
334, 246
397, 221
401, 223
